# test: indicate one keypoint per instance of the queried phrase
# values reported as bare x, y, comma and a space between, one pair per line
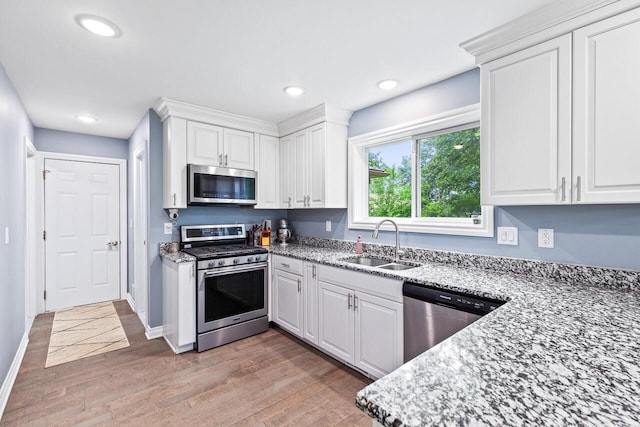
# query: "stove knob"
221, 262
236, 260
211, 264
250, 259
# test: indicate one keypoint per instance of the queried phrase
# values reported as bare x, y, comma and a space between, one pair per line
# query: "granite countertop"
553, 354
166, 250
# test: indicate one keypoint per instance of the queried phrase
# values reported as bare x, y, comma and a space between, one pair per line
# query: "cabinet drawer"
380, 286
287, 264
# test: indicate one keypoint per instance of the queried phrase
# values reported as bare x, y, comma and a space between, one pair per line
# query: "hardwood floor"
270, 379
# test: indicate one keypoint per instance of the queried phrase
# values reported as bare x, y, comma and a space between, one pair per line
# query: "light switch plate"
168, 228
508, 236
327, 226
545, 238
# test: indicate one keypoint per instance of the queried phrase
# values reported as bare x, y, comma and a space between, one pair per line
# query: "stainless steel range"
232, 283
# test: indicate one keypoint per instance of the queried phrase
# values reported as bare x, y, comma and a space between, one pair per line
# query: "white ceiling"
232, 55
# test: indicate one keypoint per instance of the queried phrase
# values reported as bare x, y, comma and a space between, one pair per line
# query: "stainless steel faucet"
377, 229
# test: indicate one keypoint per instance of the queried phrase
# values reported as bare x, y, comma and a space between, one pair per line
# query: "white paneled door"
82, 223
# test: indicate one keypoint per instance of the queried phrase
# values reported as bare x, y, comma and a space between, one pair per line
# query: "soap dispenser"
359, 245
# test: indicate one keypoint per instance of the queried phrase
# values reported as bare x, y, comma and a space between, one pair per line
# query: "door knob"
113, 243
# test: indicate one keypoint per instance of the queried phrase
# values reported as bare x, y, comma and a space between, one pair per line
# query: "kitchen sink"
369, 262
379, 263
396, 266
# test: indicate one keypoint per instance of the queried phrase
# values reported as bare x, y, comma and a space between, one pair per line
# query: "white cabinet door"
287, 171
174, 163
607, 90
301, 174
378, 334
310, 296
526, 126
335, 321
204, 144
238, 149
315, 173
267, 162
288, 301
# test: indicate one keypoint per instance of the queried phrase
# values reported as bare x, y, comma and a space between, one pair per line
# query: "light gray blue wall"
601, 235
58, 141
14, 126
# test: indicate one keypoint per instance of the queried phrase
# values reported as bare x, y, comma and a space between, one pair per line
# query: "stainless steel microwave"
214, 185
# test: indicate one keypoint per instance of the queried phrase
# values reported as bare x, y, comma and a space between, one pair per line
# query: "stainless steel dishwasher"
433, 315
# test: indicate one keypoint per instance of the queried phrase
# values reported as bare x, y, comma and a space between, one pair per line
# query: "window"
425, 175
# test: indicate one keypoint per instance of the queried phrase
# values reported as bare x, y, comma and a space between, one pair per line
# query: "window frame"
358, 172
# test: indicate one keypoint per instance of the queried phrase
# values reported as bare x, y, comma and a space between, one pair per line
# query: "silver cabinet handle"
193, 270
355, 302
289, 201
563, 185
299, 285
220, 159
226, 159
285, 265
349, 302
578, 185
174, 199
313, 271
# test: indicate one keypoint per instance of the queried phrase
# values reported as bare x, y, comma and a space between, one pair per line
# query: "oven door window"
233, 295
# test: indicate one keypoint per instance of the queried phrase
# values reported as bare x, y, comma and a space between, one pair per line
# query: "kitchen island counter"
553, 354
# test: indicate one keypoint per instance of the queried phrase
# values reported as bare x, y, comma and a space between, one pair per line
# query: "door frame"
140, 234
31, 246
122, 167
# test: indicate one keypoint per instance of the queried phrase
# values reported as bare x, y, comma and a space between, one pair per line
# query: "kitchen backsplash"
567, 273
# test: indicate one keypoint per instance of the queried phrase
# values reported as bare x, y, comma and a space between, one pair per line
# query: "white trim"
32, 276
122, 166
141, 226
132, 302
545, 23
166, 107
358, 177
153, 333
316, 115
10, 378
181, 349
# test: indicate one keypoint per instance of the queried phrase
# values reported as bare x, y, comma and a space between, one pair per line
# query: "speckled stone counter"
555, 354
166, 253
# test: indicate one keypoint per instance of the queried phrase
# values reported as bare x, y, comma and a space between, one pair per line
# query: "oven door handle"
235, 269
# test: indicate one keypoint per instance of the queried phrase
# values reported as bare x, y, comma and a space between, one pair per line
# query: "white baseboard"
10, 379
153, 333
131, 301
180, 349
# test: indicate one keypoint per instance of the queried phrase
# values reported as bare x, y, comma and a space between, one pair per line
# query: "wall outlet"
168, 228
545, 237
508, 236
327, 225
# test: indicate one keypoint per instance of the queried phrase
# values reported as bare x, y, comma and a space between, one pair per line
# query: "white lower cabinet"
361, 329
288, 301
355, 317
179, 305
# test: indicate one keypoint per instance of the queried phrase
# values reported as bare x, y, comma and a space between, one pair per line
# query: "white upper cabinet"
606, 93
526, 126
204, 144
174, 162
314, 167
558, 117
216, 146
238, 149
267, 166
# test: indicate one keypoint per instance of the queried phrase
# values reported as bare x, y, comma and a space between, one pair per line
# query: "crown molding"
555, 19
166, 107
318, 114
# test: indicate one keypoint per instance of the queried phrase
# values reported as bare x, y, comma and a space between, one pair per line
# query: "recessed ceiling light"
97, 25
293, 90
387, 84
85, 118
